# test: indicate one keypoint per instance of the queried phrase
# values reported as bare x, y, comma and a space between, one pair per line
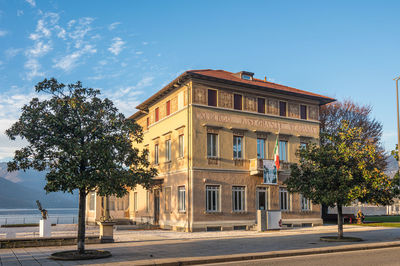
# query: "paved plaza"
138, 247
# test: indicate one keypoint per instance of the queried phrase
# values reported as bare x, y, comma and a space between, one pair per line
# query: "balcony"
256, 167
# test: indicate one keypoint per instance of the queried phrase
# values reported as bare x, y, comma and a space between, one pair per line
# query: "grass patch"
381, 224
382, 219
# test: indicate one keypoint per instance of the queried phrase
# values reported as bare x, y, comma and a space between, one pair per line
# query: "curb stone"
265, 255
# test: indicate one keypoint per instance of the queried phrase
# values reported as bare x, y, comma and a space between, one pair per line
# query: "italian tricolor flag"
276, 153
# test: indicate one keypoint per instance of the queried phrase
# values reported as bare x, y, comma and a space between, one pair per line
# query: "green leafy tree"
83, 142
356, 115
341, 171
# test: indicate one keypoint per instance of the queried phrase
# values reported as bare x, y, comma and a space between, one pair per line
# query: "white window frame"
305, 203
284, 199
210, 153
147, 201
285, 150
263, 156
235, 142
181, 198
92, 200
156, 153
168, 150
181, 142
135, 201
238, 198
214, 206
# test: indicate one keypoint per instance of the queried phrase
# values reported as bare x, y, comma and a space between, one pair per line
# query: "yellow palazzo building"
209, 134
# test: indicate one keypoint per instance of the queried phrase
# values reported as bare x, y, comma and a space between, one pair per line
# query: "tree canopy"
82, 141
356, 115
341, 171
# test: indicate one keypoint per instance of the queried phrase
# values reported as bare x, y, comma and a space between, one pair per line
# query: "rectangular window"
283, 150
212, 145
237, 101
237, 147
147, 123
303, 145
284, 199
212, 97
261, 105
305, 203
261, 148
182, 199
167, 199
135, 202
282, 108
157, 114
238, 199
156, 154
168, 107
110, 202
303, 111
147, 201
181, 146
92, 201
168, 150
212, 199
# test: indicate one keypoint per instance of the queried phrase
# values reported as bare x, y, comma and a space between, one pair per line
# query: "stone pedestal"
261, 220
106, 231
45, 228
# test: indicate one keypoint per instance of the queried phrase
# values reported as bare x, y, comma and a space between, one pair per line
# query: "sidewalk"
166, 247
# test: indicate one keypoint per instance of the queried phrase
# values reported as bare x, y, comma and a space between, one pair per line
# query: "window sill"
181, 212
210, 212
239, 212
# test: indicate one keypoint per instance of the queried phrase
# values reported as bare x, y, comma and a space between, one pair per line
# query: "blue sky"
130, 49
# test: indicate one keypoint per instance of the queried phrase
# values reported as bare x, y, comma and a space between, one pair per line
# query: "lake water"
24, 216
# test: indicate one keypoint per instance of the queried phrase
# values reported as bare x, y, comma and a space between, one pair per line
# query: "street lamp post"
398, 120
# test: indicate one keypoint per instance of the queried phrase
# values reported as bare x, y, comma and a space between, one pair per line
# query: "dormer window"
246, 77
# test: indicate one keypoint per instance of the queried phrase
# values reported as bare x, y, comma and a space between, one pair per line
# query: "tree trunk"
340, 221
81, 221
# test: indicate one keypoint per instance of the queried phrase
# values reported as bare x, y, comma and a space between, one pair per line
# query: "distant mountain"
21, 189
392, 166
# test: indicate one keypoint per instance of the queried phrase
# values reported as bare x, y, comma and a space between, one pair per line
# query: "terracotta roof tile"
222, 74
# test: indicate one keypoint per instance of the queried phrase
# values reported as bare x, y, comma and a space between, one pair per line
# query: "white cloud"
68, 62
12, 52
81, 29
113, 25
145, 43
117, 46
33, 67
39, 49
3, 33
31, 2
20, 13
139, 52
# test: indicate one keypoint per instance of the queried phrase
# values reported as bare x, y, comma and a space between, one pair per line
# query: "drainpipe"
188, 160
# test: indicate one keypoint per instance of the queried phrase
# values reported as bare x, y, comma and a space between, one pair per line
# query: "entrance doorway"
261, 196
156, 205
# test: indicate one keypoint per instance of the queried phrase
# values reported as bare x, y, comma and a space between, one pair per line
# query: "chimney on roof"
246, 75
265, 78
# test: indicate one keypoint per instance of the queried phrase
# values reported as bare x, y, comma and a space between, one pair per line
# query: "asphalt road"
372, 257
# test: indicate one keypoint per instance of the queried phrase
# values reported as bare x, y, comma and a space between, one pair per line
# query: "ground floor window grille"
238, 199
212, 198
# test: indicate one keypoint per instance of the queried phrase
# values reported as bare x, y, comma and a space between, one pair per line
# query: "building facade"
210, 133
